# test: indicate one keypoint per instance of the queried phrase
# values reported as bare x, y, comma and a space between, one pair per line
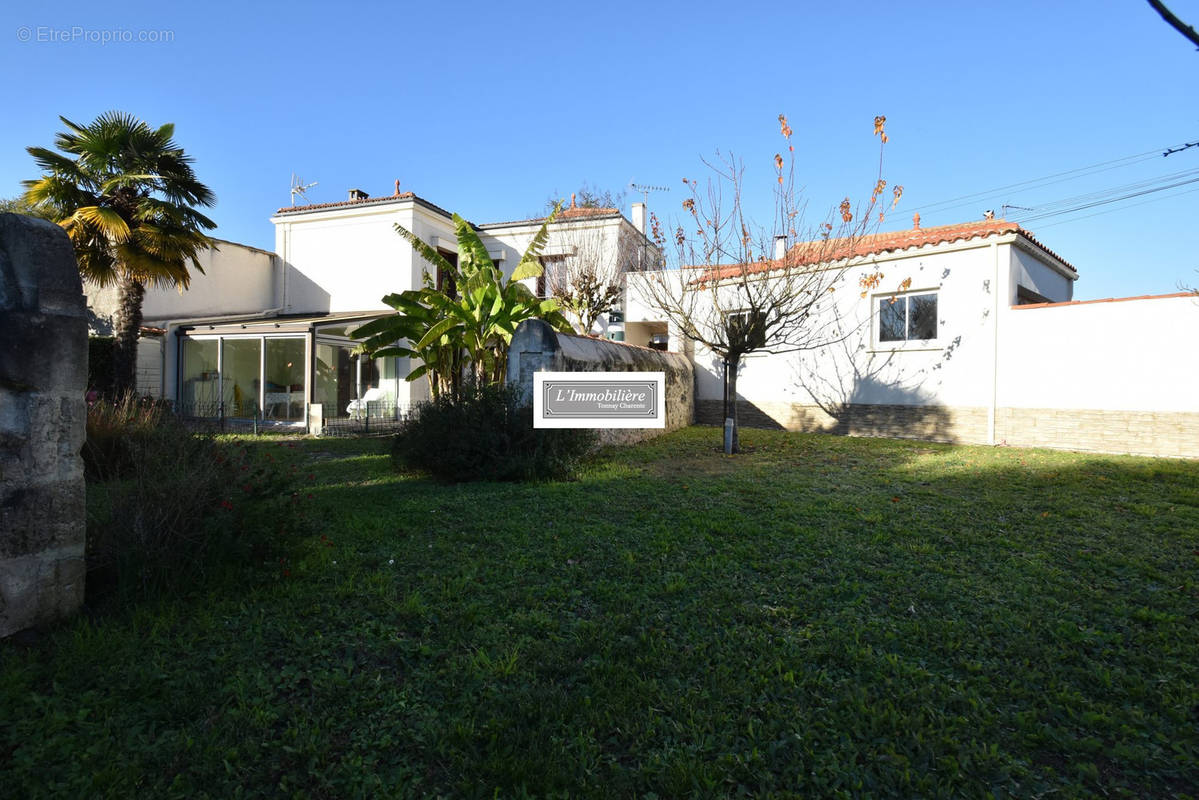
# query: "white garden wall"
1127, 355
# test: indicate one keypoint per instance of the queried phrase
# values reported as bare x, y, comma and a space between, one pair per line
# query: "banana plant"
473, 329
440, 358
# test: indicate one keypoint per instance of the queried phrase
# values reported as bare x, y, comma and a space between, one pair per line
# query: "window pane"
368, 371
199, 395
892, 319
335, 377
284, 394
922, 316
391, 372
240, 373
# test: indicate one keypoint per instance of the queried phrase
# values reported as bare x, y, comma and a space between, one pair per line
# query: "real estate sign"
599, 400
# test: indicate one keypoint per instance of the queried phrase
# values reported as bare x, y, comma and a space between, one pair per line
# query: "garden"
816, 617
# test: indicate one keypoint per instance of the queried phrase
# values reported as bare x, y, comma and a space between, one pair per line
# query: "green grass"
818, 617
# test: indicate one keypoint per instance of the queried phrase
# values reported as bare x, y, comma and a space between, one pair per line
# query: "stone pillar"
43, 372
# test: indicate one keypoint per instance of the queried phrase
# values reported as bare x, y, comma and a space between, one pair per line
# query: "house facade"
971, 335
268, 336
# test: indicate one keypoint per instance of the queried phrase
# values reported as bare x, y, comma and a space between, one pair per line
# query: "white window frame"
878, 345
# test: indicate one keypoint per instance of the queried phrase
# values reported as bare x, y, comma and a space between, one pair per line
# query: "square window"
907, 318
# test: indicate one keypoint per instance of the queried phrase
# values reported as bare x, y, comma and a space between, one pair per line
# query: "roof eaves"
891, 243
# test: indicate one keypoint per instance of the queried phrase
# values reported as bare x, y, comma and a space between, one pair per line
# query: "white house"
268, 335
972, 335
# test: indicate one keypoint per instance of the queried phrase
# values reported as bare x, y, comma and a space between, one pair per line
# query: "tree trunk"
734, 365
129, 322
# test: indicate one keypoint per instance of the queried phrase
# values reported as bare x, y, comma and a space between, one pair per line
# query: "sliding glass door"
283, 393
200, 388
243, 377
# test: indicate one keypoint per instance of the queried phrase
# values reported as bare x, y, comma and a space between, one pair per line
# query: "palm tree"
126, 194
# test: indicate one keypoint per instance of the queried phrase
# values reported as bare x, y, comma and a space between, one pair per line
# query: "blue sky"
488, 108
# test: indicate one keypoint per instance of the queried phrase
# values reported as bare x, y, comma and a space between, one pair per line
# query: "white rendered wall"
1042, 278
1128, 355
348, 259
955, 370
236, 280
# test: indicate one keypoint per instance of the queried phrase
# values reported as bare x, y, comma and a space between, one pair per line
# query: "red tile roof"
817, 252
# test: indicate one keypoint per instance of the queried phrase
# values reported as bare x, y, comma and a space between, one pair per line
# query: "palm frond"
533, 251
105, 221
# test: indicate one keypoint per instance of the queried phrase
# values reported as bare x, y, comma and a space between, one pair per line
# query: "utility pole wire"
1068, 175
1175, 22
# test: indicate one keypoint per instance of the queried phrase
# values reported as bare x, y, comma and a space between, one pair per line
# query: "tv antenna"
298, 187
1003, 209
645, 189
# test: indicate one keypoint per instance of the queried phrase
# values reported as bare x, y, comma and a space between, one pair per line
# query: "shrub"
165, 505
116, 430
487, 435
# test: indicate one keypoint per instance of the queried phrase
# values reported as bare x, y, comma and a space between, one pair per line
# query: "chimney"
916, 221
397, 194
358, 194
780, 247
638, 211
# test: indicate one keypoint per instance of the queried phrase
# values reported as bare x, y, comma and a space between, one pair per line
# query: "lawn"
818, 617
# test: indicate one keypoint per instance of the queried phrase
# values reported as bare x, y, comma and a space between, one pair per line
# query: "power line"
1099, 194
1121, 208
1085, 206
1049, 180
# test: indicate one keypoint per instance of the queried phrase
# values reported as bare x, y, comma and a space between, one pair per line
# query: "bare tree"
588, 281
732, 293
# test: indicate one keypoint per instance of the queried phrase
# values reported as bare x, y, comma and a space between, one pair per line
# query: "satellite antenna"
298, 187
646, 189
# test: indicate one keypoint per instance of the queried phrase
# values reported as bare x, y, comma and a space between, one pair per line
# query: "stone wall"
43, 371
536, 347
